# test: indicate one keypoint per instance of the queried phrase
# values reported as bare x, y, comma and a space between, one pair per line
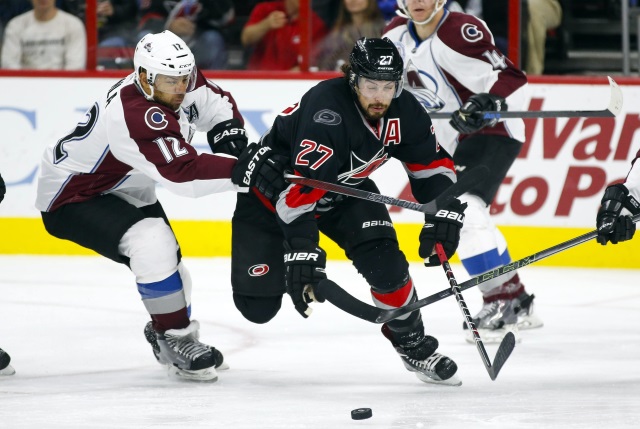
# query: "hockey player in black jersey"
5, 359
341, 131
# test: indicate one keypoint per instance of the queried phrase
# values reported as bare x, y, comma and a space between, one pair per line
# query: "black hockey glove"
469, 119
610, 224
442, 227
259, 166
228, 137
3, 189
270, 179
304, 263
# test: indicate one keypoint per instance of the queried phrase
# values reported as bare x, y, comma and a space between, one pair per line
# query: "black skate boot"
418, 355
5, 360
183, 354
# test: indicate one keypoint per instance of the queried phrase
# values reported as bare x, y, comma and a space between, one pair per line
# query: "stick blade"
504, 351
347, 303
615, 101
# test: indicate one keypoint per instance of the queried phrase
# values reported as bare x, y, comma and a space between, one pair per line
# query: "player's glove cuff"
228, 137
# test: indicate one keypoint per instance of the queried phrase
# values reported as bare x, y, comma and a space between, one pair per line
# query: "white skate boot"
494, 320
524, 309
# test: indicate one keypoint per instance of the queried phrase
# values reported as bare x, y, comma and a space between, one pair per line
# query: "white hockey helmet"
163, 54
404, 12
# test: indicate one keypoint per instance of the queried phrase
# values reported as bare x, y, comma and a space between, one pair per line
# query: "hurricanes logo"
258, 270
361, 169
155, 118
327, 117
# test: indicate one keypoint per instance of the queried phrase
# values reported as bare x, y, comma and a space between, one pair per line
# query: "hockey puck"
361, 413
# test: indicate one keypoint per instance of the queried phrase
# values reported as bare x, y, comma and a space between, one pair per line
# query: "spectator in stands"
44, 38
327, 10
197, 22
356, 19
544, 15
9, 10
273, 32
12, 8
116, 20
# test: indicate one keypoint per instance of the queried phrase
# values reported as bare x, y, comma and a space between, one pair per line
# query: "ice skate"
183, 354
418, 356
524, 309
5, 360
494, 320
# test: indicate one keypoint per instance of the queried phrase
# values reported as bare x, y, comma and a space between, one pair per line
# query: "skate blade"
493, 336
451, 381
207, 374
530, 322
223, 367
8, 370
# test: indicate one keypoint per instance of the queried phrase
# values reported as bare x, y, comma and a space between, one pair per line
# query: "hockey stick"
614, 109
509, 340
464, 183
346, 302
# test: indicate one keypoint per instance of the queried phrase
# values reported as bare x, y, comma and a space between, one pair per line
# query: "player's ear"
143, 80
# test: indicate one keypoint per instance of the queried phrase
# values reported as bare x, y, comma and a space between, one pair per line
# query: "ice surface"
73, 327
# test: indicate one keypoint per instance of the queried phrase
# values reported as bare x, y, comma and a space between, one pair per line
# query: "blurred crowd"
236, 35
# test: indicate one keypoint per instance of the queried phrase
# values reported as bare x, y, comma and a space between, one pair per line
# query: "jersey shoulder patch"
146, 119
460, 29
324, 102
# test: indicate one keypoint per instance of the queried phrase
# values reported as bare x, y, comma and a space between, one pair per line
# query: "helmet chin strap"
403, 12
149, 97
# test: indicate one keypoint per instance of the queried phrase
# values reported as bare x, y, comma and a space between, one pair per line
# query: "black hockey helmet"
377, 59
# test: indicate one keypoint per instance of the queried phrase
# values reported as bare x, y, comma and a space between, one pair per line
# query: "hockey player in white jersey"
97, 185
619, 202
451, 63
5, 359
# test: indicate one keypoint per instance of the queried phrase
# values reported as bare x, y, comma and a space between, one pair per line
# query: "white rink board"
557, 181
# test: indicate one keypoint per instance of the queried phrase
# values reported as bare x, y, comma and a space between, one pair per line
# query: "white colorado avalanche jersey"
127, 144
633, 178
458, 60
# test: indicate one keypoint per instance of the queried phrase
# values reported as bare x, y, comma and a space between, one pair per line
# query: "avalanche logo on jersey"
425, 93
361, 169
470, 33
155, 118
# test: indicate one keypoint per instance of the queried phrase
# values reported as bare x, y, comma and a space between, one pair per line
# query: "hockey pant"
363, 229
140, 238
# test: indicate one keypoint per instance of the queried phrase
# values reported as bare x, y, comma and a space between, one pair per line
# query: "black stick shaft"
455, 289
493, 274
343, 300
534, 114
